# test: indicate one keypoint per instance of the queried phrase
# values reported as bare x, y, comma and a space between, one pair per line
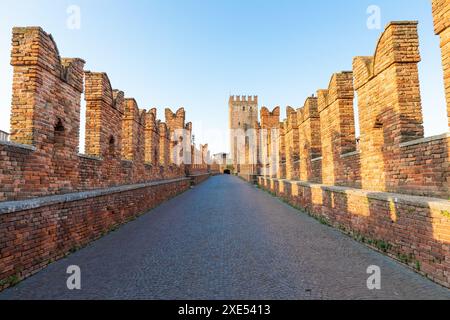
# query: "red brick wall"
45, 112
164, 144
388, 114
392, 154
441, 13
126, 149
104, 113
56, 229
176, 125
411, 229
46, 116
337, 129
151, 139
269, 136
310, 145
292, 144
281, 159
199, 178
423, 167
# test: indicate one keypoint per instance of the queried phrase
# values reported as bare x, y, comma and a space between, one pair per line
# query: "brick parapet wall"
388, 115
337, 129
281, 157
57, 225
120, 147
392, 154
292, 144
411, 229
200, 177
441, 14
151, 138
177, 126
268, 140
53, 199
424, 168
310, 144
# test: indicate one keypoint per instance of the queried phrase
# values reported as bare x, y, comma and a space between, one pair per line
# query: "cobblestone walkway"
226, 239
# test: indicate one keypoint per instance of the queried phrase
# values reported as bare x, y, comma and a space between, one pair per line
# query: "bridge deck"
225, 239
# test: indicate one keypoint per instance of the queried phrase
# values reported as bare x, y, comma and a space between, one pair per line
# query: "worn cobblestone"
225, 239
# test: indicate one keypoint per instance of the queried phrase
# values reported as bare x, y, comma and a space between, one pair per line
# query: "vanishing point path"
226, 239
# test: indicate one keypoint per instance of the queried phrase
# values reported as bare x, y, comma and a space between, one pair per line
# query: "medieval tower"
243, 115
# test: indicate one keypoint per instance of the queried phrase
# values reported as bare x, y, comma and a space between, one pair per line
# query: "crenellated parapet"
270, 119
441, 14
388, 114
164, 144
104, 113
151, 138
337, 129
47, 91
124, 144
391, 155
45, 113
386, 184
269, 126
204, 149
309, 136
180, 141
131, 127
281, 155
291, 138
175, 120
252, 99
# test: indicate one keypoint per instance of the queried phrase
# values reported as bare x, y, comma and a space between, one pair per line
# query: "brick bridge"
225, 238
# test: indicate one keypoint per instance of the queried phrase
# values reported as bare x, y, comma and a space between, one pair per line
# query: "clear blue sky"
194, 53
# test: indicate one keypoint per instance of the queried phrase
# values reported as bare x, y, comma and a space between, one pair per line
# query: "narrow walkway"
226, 239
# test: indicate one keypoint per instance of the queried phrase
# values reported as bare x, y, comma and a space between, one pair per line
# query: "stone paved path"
226, 239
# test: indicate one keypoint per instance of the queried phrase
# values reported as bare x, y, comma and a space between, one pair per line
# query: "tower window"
243, 108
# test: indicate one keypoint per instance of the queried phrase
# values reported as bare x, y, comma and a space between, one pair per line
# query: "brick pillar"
309, 137
337, 126
270, 122
281, 170
130, 130
104, 109
389, 103
176, 126
441, 13
140, 147
257, 151
292, 145
264, 145
204, 156
164, 145
46, 90
187, 150
151, 138
46, 107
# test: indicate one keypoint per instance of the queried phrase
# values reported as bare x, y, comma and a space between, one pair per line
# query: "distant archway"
227, 171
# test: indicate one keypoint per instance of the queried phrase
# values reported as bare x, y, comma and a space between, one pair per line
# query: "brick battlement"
390, 186
317, 143
253, 99
124, 144
441, 13
64, 199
